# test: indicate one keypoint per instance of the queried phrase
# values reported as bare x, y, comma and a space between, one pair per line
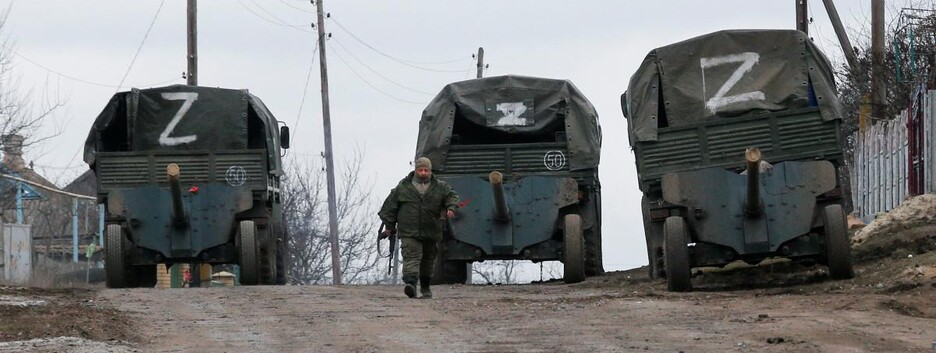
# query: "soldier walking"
415, 211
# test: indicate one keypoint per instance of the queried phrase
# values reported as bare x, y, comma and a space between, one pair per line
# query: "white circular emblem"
554, 160
236, 176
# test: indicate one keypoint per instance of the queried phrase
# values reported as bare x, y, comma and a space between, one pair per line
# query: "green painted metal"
534, 209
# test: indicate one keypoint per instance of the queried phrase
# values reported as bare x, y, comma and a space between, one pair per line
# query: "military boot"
410, 288
424, 287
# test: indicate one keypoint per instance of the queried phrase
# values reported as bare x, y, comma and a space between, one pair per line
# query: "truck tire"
282, 255
573, 256
247, 253
655, 263
838, 245
676, 255
593, 261
144, 276
115, 262
267, 251
451, 272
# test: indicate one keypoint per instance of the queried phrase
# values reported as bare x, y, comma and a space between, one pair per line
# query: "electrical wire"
410, 63
305, 89
297, 8
146, 35
378, 73
76, 79
278, 22
341, 58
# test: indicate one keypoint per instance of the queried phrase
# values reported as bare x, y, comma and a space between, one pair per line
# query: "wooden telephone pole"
878, 91
191, 77
802, 17
329, 152
480, 61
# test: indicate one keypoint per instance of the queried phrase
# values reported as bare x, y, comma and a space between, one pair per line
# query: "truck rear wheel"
115, 266
282, 255
574, 254
593, 262
267, 246
247, 253
838, 245
144, 276
652, 234
451, 272
676, 255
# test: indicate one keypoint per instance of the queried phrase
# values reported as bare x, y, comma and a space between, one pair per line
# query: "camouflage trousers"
418, 258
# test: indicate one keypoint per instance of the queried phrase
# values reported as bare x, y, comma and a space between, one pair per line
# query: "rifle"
392, 237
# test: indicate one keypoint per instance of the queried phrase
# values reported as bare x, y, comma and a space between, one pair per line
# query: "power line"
305, 89
277, 21
21, 56
296, 7
410, 63
146, 35
378, 73
369, 83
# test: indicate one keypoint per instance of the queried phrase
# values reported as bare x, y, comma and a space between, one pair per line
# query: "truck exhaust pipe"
753, 206
501, 212
175, 189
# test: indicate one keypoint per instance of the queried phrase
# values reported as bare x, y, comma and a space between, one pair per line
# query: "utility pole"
842, 36
480, 62
329, 152
878, 91
802, 17
191, 79
192, 74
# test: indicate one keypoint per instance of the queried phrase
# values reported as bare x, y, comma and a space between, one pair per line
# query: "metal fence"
895, 159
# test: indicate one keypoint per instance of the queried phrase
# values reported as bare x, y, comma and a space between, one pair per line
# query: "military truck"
738, 144
522, 153
189, 174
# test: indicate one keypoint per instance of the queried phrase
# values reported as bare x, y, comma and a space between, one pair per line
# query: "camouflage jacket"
418, 216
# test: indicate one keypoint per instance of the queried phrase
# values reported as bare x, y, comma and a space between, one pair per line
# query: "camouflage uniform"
418, 220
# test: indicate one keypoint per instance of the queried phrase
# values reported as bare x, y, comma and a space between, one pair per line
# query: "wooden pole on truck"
329, 152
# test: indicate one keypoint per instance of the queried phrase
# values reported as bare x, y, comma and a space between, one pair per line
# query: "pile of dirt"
34, 313
906, 231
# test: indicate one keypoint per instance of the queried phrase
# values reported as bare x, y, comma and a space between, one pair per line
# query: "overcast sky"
384, 66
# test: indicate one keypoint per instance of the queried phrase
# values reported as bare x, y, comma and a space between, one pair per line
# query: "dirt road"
778, 306
744, 310
620, 312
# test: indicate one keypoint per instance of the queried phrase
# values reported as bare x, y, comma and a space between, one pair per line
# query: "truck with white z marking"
522, 153
738, 144
189, 174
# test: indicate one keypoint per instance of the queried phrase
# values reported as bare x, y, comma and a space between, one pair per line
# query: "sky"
386, 60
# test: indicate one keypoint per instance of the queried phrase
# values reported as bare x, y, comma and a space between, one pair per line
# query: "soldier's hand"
449, 214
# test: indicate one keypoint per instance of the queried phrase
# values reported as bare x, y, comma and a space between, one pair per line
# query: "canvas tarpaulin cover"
728, 74
515, 105
178, 118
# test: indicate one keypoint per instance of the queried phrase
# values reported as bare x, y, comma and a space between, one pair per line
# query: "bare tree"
304, 204
19, 113
909, 62
495, 272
